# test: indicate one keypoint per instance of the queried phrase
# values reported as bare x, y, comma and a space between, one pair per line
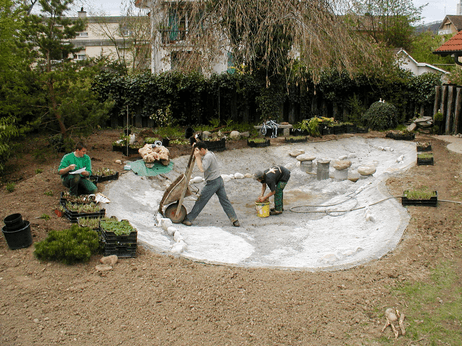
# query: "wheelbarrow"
174, 195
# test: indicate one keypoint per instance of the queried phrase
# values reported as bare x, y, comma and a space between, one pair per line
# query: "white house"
407, 62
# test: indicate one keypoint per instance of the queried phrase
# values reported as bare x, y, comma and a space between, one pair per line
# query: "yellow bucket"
263, 209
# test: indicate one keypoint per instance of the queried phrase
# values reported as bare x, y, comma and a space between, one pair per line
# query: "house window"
81, 57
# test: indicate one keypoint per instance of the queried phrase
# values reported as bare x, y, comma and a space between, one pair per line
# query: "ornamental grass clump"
381, 116
68, 246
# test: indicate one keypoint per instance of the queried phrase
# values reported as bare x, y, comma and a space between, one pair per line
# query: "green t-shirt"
79, 162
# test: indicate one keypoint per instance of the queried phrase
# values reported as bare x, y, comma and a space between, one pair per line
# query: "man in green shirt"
75, 169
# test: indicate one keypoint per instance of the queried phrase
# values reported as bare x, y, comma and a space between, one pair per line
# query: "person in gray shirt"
207, 163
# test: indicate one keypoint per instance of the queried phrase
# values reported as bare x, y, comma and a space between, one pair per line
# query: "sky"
436, 10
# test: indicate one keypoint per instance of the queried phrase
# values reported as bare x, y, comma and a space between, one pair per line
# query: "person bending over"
276, 179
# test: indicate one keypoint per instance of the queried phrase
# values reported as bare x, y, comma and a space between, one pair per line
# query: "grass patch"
424, 155
419, 194
433, 312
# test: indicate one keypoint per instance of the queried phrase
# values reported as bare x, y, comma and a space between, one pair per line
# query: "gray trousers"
214, 186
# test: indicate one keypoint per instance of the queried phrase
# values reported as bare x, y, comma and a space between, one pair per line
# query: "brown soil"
157, 299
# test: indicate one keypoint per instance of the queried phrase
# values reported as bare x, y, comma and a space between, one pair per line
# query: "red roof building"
452, 47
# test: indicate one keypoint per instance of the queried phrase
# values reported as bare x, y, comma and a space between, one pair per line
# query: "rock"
354, 177
196, 180
238, 176
118, 162
234, 135
296, 152
171, 230
177, 236
411, 127
206, 135
248, 175
341, 165
109, 260
165, 223
245, 134
103, 267
366, 170
305, 157
178, 247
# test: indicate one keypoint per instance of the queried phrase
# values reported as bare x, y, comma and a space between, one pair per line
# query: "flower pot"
18, 238
59, 213
13, 222
166, 142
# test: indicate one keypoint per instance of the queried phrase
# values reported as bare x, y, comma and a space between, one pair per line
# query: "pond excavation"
334, 217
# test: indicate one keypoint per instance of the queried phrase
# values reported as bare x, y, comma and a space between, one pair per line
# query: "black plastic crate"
112, 238
101, 178
428, 161
120, 245
73, 216
432, 202
122, 251
253, 144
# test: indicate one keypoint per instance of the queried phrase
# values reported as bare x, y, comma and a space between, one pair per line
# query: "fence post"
449, 109
436, 104
444, 90
457, 110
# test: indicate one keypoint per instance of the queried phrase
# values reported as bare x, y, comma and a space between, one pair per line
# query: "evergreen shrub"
68, 246
381, 116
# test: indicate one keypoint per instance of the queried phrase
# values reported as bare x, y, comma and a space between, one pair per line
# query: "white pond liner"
361, 222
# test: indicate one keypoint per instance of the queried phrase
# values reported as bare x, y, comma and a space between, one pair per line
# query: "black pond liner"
432, 202
18, 238
254, 144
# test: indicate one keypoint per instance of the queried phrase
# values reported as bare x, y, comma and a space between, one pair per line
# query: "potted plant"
422, 197
105, 174
60, 211
425, 158
119, 237
424, 146
404, 135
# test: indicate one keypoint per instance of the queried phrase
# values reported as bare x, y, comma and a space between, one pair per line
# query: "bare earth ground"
162, 300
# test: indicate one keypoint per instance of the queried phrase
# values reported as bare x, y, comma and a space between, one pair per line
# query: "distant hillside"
433, 26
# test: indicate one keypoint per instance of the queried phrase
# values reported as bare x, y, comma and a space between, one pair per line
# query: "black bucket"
19, 238
13, 222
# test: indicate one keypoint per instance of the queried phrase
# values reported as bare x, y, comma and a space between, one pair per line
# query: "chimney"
82, 13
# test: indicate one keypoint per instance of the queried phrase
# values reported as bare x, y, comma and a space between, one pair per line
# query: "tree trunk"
54, 108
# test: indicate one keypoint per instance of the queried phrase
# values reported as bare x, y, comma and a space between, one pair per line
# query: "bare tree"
271, 34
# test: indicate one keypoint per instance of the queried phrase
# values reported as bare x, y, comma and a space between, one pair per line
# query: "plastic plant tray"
432, 202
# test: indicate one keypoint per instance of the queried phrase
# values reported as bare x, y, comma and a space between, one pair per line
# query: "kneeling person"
77, 183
